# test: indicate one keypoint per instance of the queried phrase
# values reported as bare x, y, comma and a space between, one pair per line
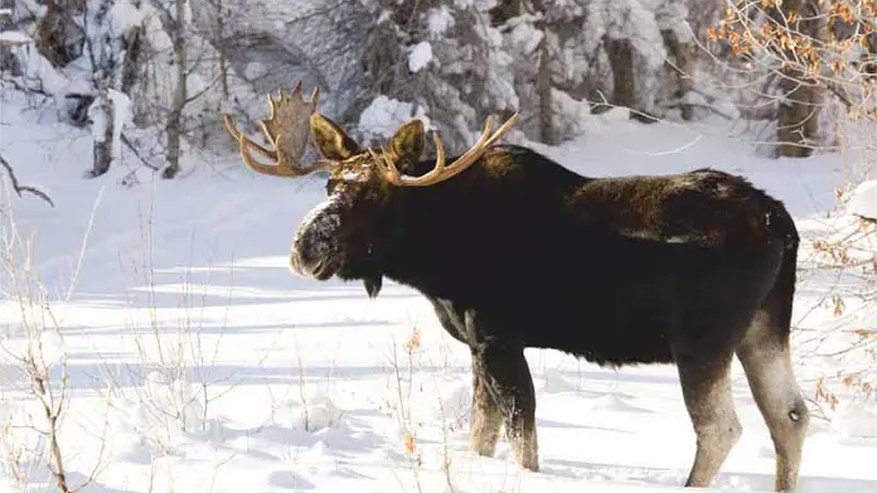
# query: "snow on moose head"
344, 236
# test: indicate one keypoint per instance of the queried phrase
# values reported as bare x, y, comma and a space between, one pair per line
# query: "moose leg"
509, 383
767, 362
706, 387
486, 416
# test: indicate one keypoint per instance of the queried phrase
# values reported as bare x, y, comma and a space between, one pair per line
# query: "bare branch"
133, 148
23, 188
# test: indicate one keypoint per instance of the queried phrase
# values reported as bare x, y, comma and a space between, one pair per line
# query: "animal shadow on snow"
219, 286
88, 376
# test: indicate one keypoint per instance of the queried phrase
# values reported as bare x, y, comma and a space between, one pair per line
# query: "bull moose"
515, 251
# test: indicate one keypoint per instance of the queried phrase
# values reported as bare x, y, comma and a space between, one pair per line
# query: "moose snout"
304, 259
315, 251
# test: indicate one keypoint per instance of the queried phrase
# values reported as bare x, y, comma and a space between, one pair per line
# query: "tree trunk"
131, 64
543, 85
174, 124
683, 56
103, 138
59, 38
797, 118
621, 59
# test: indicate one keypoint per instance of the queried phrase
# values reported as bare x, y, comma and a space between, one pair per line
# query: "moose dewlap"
515, 251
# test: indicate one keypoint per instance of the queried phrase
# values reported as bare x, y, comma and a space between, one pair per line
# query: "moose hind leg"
509, 382
486, 416
706, 388
766, 359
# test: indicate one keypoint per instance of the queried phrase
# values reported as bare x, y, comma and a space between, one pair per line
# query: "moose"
514, 251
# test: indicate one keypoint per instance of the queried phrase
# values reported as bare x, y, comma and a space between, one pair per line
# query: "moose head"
342, 235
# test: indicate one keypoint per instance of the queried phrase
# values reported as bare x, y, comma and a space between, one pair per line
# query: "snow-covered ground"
196, 362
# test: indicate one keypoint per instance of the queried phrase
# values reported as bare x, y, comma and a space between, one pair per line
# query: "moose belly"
645, 314
608, 331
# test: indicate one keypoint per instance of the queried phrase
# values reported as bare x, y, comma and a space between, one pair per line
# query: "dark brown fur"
519, 252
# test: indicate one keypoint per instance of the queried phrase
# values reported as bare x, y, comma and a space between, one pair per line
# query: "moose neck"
456, 235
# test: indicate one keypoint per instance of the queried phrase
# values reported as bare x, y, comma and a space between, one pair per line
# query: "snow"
37, 68
385, 16
526, 37
439, 20
123, 15
859, 420
34, 8
695, 98
863, 200
383, 116
14, 37
673, 16
420, 56
98, 117
121, 118
193, 356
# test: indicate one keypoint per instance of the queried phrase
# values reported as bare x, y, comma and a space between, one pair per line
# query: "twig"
143, 160
23, 188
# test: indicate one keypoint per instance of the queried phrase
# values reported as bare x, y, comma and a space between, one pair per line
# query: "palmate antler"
441, 172
287, 129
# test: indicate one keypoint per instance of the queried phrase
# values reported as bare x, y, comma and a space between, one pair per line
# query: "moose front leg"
486, 416
509, 383
500, 366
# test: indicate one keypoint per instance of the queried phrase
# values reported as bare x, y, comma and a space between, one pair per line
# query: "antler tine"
440, 171
243, 140
287, 129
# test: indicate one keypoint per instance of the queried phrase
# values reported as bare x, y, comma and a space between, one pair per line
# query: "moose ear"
330, 140
407, 143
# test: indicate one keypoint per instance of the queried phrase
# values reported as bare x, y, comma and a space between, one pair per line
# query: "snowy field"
195, 362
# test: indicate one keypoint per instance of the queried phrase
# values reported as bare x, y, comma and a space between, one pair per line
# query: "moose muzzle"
315, 249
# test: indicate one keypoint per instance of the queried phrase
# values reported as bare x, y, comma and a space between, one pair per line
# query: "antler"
442, 172
287, 130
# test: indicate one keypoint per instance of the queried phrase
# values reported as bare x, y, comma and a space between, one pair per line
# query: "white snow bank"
863, 201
